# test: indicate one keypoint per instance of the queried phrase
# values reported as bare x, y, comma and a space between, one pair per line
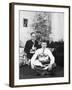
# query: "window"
25, 22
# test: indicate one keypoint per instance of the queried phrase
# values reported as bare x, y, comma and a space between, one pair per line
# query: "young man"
43, 60
31, 46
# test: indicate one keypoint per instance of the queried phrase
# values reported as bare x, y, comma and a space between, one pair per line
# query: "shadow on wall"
59, 53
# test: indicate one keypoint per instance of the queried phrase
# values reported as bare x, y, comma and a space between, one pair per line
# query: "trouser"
41, 70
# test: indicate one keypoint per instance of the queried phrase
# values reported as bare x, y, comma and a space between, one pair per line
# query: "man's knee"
53, 65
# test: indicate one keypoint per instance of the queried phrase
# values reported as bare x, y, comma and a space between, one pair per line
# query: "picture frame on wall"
39, 44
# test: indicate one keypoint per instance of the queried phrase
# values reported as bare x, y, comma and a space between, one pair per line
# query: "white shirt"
43, 55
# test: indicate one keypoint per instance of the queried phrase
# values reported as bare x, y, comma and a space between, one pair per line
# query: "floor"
25, 72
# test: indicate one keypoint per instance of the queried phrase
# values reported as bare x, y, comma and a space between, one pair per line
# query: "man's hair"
44, 41
32, 33
38, 32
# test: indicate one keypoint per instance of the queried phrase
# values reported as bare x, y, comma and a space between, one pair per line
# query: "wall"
25, 31
57, 26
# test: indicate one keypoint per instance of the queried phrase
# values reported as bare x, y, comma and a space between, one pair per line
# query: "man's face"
44, 44
33, 36
38, 36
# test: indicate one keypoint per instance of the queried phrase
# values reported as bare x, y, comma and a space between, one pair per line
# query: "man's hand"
32, 66
50, 67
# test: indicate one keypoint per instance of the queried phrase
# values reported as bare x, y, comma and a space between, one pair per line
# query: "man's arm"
33, 59
52, 59
26, 49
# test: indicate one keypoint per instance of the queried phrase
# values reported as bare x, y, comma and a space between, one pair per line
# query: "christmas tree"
42, 23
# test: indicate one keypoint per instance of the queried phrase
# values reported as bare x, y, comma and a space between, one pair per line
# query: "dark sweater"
28, 46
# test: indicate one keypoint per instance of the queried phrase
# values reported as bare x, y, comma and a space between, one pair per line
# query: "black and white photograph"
41, 44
